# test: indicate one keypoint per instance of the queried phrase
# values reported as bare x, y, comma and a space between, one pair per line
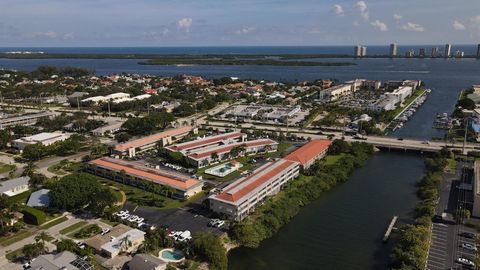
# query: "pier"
390, 228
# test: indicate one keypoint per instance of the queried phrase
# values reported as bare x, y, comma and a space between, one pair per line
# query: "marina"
407, 113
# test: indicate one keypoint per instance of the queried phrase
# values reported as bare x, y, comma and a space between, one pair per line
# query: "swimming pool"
171, 255
224, 169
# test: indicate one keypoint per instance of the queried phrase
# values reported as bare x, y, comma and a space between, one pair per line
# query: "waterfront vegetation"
412, 240
321, 177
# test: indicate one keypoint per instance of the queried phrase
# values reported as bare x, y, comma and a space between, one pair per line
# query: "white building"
337, 92
26, 120
45, 138
14, 186
110, 128
242, 196
384, 104
401, 93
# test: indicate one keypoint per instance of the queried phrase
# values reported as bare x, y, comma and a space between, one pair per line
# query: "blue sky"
237, 22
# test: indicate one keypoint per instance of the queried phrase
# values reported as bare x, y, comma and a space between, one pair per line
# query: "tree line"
321, 177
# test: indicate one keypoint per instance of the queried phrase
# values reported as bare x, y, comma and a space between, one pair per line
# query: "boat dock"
390, 228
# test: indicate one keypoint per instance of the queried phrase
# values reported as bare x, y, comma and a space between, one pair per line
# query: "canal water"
344, 228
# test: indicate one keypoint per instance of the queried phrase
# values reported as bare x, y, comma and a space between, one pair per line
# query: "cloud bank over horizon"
236, 23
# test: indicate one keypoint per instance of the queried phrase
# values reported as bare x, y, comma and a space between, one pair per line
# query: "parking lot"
187, 218
437, 254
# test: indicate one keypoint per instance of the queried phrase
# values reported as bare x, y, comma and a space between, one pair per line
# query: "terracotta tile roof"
310, 150
153, 138
159, 176
229, 147
244, 186
204, 141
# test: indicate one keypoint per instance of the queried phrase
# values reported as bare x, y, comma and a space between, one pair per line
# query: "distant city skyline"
29, 23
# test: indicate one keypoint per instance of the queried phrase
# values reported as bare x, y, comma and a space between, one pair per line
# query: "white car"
125, 216
184, 236
465, 261
133, 218
140, 220
105, 231
219, 224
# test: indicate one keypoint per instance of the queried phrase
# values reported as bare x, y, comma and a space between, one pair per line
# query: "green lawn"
5, 168
108, 222
332, 159
73, 227
6, 241
451, 165
86, 232
21, 198
53, 223
64, 167
11, 256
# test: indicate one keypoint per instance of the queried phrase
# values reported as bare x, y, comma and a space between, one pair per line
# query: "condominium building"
335, 93
133, 173
448, 50
401, 93
133, 147
210, 141
393, 50
421, 52
242, 196
309, 153
44, 138
25, 120
434, 52
360, 51
478, 51
202, 157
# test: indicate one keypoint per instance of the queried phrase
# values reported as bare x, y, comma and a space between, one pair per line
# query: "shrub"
33, 216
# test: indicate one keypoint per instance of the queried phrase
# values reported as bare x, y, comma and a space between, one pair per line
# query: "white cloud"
409, 26
397, 16
245, 30
68, 36
363, 9
380, 26
474, 27
458, 25
185, 24
48, 34
338, 9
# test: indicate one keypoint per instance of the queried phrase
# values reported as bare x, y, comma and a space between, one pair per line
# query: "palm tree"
214, 156
123, 175
168, 191
29, 169
125, 243
41, 239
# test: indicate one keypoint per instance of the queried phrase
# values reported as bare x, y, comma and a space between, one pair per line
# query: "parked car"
467, 235
469, 246
465, 261
105, 231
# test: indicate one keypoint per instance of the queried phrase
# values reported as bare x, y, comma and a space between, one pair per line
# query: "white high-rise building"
448, 50
393, 50
364, 51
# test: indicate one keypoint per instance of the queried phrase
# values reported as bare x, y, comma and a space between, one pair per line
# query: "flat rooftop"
178, 181
244, 186
204, 141
206, 152
153, 138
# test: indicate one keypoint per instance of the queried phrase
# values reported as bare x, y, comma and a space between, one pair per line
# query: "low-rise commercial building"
384, 104
205, 156
131, 148
401, 93
337, 92
44, 138
25, 120
107, 129
309, 153
110, 244
14, 186
242, 196
133, 172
